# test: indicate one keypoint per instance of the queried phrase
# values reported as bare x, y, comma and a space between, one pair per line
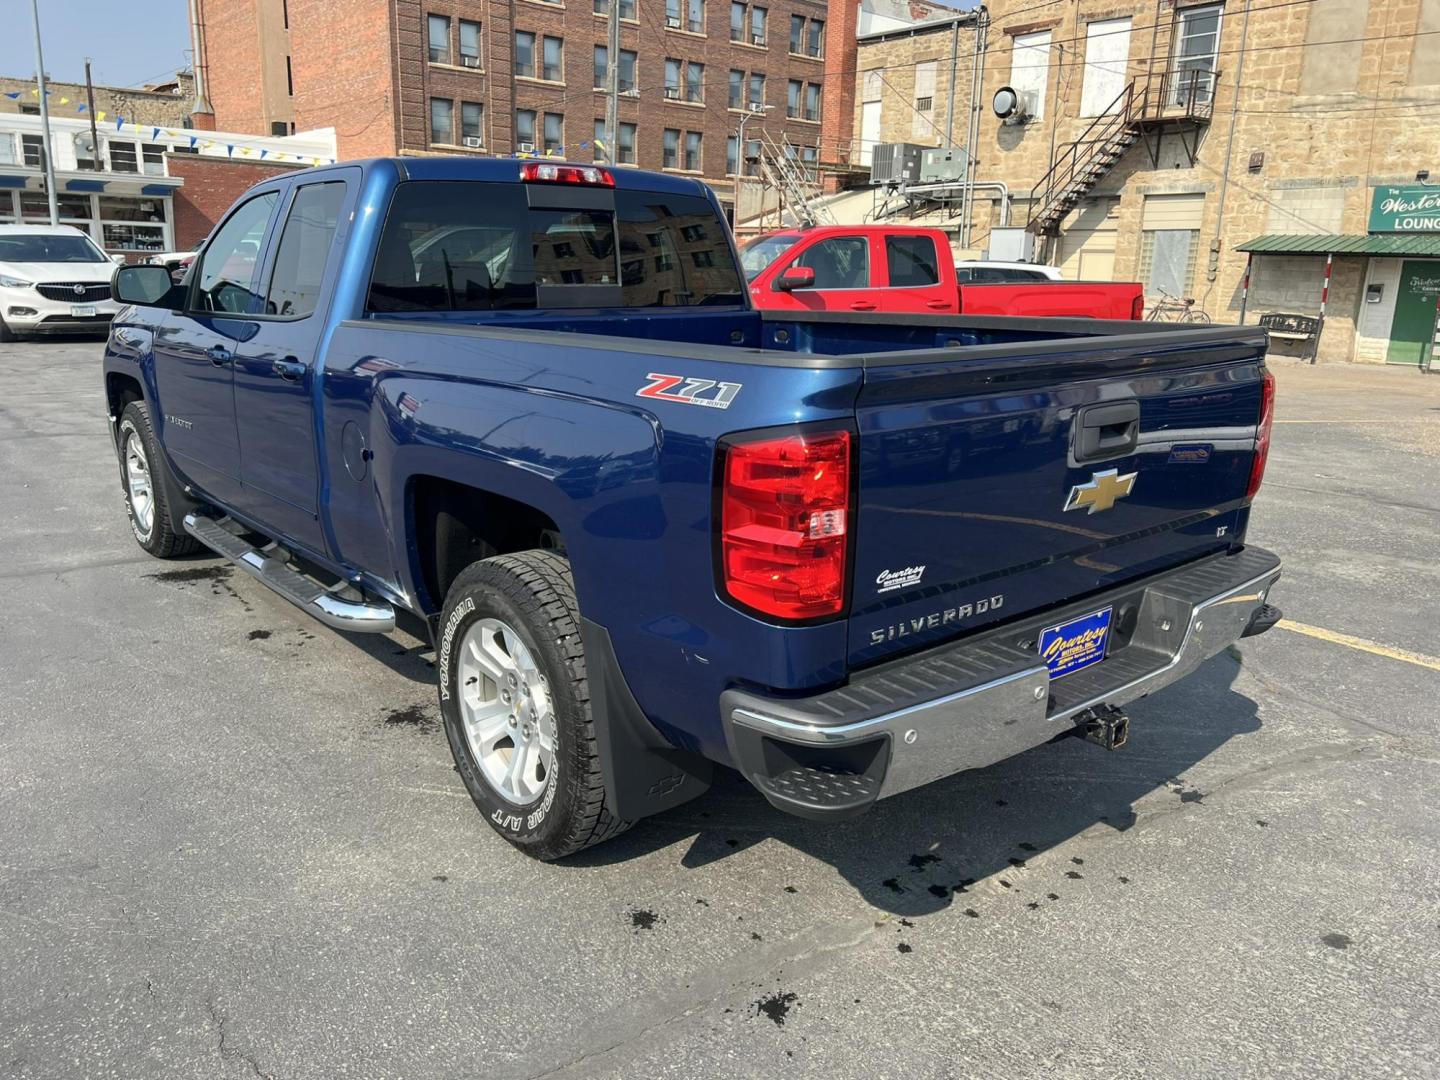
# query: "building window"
84, 151
626, 75
672, 15
695, 16
602, 67
672, 79
554, 59
525, 130
757, 90
472, 122
694, 81
289, 78
279, 128
671, 155
1197, 41
627, 8
442, 121
815, 41
1030, 70
732, 155
554, 132
759, 18
1167, 260
737, 89
439, 39
737, 22
694, 158
525, 54
26, 109
812, 101
752, 157
797, 34
33, 149
626, 153
469, 43
601, 142
792, 98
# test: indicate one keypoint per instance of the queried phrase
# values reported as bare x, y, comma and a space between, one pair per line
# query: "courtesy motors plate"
1078, 643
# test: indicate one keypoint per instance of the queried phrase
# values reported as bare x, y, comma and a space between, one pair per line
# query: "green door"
1414, 327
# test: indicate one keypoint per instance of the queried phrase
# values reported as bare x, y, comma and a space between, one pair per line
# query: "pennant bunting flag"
154, 133
13, 95
100, 115
263, 153
230, 149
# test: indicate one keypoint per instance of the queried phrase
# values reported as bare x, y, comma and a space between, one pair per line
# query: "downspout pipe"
197, 48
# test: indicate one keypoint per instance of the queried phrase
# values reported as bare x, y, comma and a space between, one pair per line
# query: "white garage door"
1087, 241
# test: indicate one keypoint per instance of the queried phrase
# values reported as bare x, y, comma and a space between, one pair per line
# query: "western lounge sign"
1405, 209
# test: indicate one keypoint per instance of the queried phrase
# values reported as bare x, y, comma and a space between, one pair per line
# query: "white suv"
53, 280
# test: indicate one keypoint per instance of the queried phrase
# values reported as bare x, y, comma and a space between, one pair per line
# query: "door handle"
219, 355
1106, 431
290, 369
862, 305
938, 305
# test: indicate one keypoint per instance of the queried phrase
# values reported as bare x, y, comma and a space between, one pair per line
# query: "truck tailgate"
994, 486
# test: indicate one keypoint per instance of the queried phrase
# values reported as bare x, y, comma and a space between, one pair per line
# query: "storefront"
1384, 295
123, 215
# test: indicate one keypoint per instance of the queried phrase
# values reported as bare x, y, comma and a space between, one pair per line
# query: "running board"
356, 616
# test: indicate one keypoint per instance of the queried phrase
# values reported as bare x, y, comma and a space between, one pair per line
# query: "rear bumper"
975, 702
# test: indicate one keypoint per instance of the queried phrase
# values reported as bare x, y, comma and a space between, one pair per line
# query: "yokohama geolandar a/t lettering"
651, 530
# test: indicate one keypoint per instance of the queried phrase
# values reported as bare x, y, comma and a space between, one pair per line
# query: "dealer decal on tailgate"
1076, 644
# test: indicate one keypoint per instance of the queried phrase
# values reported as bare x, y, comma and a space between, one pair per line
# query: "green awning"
1343, 244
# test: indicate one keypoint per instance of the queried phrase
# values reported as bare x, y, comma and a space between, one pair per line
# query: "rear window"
473, 246
912, 261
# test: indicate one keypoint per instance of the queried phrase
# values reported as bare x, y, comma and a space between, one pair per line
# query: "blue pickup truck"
651, 530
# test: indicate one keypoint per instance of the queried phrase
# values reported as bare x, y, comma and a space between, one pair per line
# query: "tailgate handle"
1105, 431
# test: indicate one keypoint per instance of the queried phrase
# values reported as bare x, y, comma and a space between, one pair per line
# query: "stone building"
1171, 142
165, 103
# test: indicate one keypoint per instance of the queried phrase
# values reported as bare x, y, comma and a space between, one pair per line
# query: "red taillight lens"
1262, 434
1137, 308
784, 520
544, 172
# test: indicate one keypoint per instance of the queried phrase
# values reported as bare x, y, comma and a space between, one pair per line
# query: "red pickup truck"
906, 270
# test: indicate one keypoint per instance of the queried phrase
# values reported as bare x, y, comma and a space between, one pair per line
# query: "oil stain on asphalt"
644, 919
776, 1006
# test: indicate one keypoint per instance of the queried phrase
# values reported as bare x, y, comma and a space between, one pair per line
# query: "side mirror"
796, 277
145, 285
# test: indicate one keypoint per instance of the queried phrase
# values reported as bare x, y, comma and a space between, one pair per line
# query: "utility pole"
90, 108
45, 155
612, 84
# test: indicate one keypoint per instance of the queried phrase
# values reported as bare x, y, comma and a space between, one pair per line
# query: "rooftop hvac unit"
896, 163
942, 166
1011, 243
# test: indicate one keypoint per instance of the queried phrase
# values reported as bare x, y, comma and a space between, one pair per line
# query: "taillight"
784, 520
1137, 308
1262, 434
543, 172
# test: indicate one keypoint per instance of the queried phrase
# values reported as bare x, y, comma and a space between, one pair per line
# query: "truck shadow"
923, 851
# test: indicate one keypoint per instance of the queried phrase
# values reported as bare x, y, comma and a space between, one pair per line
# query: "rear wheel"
516, 704
145, 503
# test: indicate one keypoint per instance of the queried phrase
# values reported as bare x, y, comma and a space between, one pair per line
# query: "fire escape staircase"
1178, 101
797, 186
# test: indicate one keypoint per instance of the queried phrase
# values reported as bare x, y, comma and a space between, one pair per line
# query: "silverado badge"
1102, 492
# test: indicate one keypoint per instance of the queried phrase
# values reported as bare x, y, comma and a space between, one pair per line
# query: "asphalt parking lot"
232, 843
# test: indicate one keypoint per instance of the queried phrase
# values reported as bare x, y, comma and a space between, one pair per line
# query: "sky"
129, 42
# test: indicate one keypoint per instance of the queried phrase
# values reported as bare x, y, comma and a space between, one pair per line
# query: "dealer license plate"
82, 311
1076, 644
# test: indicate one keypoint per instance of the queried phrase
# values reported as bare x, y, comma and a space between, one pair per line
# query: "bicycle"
1176, 309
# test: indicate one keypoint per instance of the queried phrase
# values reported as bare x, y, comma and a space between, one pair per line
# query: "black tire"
159, 538
531, 592
6, 334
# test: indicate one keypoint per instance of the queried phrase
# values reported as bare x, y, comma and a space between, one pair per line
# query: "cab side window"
842, 262
299, 270
231, 259
912, 261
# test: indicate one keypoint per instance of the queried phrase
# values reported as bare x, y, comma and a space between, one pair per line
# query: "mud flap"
644, 773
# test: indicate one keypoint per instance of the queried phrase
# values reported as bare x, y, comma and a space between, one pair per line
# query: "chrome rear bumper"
975, 702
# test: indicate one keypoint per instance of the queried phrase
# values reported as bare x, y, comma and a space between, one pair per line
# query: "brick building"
489, 77
1168, 142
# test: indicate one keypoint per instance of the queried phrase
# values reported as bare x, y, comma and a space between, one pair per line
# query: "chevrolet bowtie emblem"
1101, 493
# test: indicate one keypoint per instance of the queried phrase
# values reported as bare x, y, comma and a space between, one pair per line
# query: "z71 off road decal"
677, 388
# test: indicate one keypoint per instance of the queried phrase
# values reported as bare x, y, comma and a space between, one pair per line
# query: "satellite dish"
1005, 102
